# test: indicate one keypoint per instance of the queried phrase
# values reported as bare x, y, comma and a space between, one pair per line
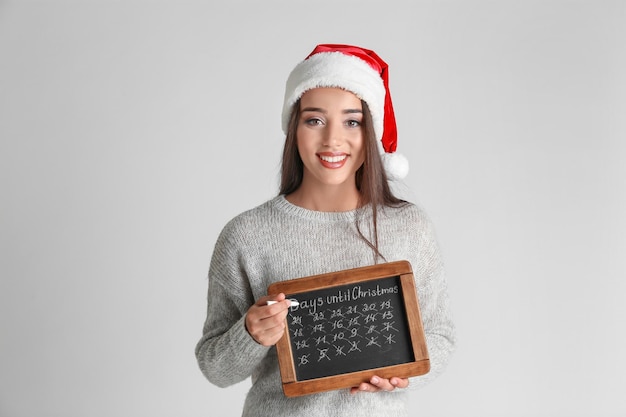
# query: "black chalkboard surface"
350, 325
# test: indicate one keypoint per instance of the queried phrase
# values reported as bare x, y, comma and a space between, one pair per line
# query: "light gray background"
132, 131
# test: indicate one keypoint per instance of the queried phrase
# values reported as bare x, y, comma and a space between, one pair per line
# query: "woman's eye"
314, 121
353, 123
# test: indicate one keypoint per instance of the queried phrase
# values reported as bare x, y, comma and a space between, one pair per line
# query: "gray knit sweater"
278, 241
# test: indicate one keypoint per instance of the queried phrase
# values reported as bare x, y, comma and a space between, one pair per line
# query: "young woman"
335, 210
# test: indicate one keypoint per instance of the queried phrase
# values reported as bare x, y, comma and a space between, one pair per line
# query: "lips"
333, 161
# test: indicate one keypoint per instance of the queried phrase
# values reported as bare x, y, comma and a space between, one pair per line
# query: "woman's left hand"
377, 384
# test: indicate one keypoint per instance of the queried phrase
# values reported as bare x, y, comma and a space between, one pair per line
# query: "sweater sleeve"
226, 353
434, 302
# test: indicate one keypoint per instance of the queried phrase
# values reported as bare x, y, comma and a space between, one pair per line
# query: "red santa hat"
363, 73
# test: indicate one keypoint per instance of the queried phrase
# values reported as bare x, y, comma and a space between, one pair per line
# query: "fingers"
399, 382
266, 330
266, 323
377, 384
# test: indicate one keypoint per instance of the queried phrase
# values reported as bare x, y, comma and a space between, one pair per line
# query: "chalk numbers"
322, 335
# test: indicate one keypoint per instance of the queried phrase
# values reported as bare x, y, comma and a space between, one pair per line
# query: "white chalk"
294, 303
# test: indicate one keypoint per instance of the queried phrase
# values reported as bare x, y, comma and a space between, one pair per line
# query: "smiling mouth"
333, 159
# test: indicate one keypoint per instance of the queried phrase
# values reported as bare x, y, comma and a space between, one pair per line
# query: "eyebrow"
320, 110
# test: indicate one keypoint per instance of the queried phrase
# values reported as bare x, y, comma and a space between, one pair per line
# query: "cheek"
303, 147
359, 145
361, 157
299, 142
307, 138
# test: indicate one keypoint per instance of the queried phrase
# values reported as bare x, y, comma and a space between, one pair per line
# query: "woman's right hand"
266, 323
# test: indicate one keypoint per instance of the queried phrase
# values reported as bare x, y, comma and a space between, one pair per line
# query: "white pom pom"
396, 166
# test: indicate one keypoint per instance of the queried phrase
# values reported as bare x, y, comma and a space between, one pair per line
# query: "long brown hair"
371, 179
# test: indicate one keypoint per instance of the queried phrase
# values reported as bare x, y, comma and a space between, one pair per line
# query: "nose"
333, 134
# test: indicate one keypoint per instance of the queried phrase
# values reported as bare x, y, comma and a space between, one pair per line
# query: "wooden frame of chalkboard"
350, 325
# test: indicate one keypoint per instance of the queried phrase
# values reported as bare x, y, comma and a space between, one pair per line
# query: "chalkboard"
350, 325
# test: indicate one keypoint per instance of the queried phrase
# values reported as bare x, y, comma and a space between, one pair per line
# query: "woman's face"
330, 136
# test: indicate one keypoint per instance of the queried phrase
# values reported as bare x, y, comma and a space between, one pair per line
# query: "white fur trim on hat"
336, 69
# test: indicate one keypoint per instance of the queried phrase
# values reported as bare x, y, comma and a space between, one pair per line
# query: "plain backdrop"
131, 131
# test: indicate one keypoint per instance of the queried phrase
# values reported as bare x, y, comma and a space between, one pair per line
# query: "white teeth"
332, 158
